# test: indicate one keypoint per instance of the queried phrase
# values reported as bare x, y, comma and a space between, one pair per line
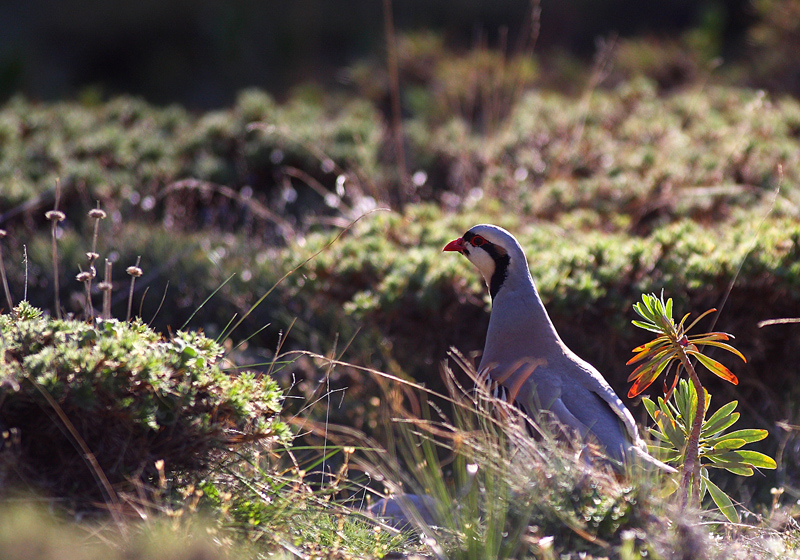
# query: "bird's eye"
477, 241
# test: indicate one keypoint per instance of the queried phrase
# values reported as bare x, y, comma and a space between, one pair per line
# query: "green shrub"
126, 150
125, 394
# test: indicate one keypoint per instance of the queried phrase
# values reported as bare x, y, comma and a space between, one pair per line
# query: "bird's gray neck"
519, 326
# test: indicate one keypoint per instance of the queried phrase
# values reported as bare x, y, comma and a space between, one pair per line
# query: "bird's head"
494, 251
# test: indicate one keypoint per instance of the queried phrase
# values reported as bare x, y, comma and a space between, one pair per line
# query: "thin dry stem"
3, 274
310, 181
770, 322
97, 215
57, 299
394, 87
89, 308
135, 272
111, 495
598, 75
55, 216
753, 243
286, 229
107, 291
25, 260
228, 333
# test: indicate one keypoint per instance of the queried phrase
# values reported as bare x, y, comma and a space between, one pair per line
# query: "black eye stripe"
498, 254
476, 240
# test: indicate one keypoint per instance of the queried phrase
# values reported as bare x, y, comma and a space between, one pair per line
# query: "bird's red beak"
455, 245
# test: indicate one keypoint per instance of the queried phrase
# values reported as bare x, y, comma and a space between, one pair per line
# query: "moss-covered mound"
81, 401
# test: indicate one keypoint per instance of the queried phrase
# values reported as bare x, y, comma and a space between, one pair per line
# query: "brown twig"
786, 321
254, 206
316, 186
597, 76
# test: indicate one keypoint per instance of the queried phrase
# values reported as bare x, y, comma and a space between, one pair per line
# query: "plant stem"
107, 291
394, 90
691, 468
134, 272
112, 500
55, 216
57, 302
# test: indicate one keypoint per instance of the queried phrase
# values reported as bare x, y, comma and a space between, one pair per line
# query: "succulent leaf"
715, 367
723, 501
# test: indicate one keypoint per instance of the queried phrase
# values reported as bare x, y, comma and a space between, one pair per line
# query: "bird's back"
524, 353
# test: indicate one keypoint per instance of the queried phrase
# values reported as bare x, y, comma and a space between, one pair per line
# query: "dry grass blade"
112, 500
295, 269
770, 322
752, 246
487, 480
9, 300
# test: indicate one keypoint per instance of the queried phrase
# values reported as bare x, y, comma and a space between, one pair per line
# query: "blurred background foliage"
201, 53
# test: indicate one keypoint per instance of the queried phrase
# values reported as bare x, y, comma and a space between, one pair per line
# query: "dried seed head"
84, 276
97, 214
134, 271
55, 215
104, 286
3, 233
93, 271
92, 256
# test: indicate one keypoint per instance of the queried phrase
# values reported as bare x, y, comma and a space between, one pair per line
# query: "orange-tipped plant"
673, 347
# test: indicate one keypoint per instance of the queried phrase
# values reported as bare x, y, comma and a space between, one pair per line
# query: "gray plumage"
403, 510
525, 354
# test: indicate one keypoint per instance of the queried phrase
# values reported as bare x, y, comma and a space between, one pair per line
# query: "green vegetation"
514, 496
674, 423
113, 414
121, 392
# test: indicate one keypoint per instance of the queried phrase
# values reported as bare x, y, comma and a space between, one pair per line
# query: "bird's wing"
569, 387
586, 376
613, 424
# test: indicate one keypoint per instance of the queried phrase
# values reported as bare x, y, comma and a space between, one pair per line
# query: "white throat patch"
483, 261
